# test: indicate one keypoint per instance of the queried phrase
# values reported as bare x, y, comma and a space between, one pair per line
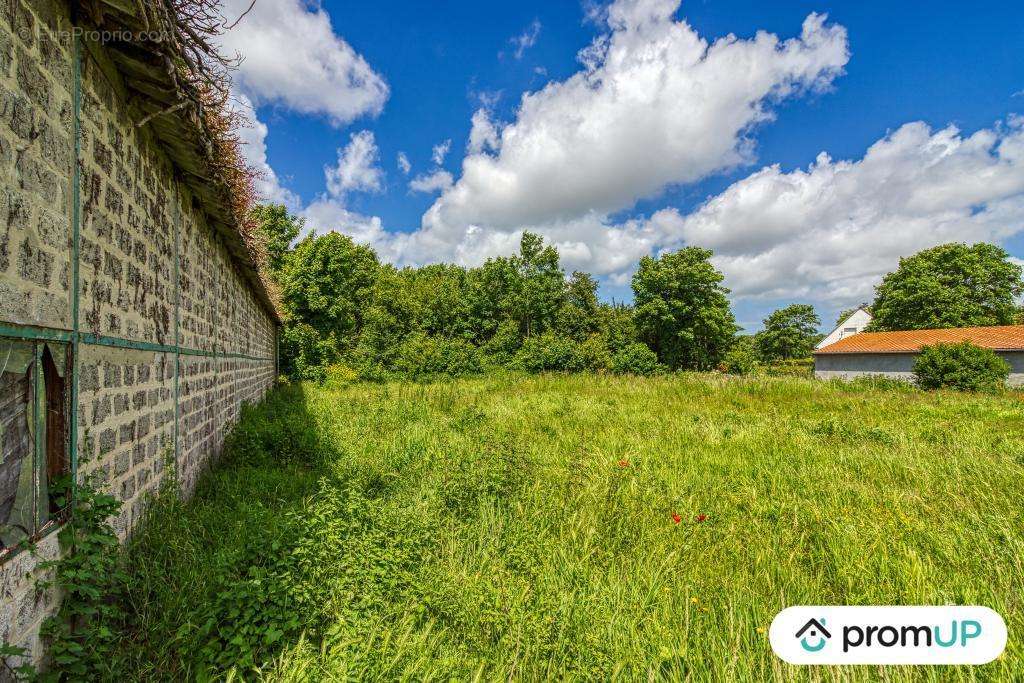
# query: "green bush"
421, 357
635, 359
339, 376
306, 353
962, 366
742, 359
549, 352
595, 354
501, 348
796, 367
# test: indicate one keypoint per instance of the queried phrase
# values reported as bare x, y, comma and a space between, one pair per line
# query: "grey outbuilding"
892, 354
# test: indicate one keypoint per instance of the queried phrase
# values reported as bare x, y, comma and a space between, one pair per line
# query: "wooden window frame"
48, 403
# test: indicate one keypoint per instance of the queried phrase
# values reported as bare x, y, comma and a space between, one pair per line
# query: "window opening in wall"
34, 459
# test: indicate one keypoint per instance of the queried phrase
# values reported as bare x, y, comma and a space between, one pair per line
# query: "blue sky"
431, 66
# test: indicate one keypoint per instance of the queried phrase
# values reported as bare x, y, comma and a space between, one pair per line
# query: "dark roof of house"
998, 338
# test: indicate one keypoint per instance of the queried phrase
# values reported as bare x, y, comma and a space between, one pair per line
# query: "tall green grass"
524, 527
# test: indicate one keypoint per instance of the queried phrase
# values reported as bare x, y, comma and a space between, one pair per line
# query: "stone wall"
36, 150
174, 339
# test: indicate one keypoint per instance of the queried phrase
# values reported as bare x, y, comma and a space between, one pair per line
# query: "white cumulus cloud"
440, 151
356, 171
433, 182
831, 231
292, 56
654, 105
254, 148
483, 133
357, 168
403, 163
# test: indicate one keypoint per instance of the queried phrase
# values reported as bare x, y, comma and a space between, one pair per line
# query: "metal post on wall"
176, 210
76, 238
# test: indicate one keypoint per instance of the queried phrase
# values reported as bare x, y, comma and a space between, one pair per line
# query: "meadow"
574, 527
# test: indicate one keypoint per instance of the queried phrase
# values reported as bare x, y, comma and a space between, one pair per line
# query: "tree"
743, 357
391, 314
443, 299
951, 285
527, 288
278, 229
682, 311
541, 287
617, 325
578, 317
327, 283
789, 332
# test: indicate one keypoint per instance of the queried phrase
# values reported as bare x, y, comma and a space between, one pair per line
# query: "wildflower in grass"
760, 629
693, 600
623, 463
702, 517
676, 517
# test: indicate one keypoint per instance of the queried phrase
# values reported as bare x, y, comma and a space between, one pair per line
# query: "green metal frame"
65, 337
32, 333
177, 335
76, 244
75, 337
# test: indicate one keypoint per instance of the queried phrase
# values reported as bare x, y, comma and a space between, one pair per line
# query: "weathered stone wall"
152, 274
127, 208
36, 123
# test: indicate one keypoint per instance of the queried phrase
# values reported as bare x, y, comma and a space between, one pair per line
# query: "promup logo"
817, 630
888, 635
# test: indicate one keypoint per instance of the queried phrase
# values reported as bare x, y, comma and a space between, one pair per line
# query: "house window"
849, 330
34, 461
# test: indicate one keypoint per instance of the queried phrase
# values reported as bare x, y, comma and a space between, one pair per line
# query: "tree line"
347, 312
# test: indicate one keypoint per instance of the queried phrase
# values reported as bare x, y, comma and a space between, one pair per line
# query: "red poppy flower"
701, 517
623, 463
676, 517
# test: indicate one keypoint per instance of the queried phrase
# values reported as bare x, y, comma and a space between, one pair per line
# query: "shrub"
742, 359
595, 354
962, 366
421, 356
501, 348
339, 376
797, 367
549, 352
305, 353
635, 359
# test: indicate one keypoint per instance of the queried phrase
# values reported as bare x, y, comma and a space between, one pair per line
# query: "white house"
852, 324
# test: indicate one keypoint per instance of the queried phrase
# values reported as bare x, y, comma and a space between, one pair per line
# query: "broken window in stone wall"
34, 462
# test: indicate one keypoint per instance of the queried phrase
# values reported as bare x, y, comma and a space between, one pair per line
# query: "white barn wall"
859, 319
894, 365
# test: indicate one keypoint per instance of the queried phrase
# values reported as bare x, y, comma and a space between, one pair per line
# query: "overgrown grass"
522, 527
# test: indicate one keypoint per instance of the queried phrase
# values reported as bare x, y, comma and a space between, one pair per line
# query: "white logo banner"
887, 635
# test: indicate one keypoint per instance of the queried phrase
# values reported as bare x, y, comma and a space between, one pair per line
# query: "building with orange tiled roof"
892, 354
